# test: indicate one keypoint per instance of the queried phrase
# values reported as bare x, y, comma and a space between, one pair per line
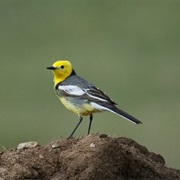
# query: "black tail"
124, 114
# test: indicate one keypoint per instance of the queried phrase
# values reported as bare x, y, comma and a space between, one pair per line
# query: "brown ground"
94, 157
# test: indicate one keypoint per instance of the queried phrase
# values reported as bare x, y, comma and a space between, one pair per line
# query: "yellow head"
61, 70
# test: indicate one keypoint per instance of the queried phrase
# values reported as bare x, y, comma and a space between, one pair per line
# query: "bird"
80, 96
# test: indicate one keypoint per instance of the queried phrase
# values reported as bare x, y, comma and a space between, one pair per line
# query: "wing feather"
97, 94
71, 90
90, 93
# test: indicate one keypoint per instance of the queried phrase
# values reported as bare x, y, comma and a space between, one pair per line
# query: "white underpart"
73, 90
102, 108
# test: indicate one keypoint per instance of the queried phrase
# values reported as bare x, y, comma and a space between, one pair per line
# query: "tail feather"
124, 114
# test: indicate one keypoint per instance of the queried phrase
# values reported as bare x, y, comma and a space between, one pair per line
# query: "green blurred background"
130, 49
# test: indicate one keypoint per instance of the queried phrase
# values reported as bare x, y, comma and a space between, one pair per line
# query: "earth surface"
92, 157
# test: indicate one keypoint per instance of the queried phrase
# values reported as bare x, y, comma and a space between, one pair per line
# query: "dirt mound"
88, 158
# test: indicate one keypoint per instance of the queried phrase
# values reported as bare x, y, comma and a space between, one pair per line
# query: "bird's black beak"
51, 68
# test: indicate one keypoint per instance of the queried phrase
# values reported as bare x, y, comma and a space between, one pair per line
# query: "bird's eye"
62, 67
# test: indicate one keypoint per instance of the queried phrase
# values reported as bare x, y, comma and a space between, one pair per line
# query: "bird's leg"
90, 122
80, 120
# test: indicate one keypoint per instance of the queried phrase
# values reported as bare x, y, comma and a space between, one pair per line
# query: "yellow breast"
80, 109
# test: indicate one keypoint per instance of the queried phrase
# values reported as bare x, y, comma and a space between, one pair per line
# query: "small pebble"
41, 156
27, 145
55, 145
92, 145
